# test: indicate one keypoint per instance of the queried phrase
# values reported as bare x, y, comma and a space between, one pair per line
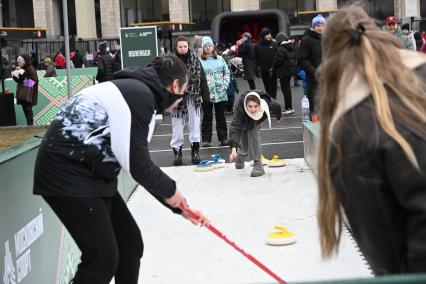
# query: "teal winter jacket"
217, 75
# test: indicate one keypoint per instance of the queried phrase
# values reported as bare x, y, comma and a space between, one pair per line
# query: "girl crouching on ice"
251, 110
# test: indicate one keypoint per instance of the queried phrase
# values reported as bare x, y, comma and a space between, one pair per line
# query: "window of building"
202, 12
379, 9
98, 18
18, 13
290, 7
72, 23
154, 10
145, 11
423, 8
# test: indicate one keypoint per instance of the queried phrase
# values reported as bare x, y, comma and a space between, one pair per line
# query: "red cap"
391, 19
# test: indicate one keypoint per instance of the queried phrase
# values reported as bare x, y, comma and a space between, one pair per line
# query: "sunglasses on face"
391, 24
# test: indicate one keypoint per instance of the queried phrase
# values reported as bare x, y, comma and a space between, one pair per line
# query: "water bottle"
305, 109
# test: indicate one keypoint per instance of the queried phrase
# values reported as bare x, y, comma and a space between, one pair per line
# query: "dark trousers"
107, 235
311, 94
286, 89
207, 123
252, 85
230, 103
28, 111
270, 83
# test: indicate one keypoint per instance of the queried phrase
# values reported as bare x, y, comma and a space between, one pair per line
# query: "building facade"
89, 19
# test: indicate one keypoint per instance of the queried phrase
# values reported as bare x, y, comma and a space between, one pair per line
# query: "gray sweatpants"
250, 144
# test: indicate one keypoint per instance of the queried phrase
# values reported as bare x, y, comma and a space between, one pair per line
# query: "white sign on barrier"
411, 9
24, 238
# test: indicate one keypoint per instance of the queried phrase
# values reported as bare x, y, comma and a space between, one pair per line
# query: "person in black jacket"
26, 75
372, 153
102, 129
246, 52
310, 53
284, 67
105, 64
252, 109
264, 52
5, 68
77, 59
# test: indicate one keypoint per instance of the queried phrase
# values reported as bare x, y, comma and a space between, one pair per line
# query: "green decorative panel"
52, 94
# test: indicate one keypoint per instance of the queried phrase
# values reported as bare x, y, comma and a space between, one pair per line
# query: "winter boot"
257, 169
178, 156
195, 156
239, 163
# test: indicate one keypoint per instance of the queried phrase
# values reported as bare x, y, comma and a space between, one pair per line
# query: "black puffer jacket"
246, 51
384, 197
310, 52
264, 53
105, 68
284, 61
241, 121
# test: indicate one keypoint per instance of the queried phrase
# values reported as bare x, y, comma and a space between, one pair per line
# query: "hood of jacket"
282, 37
264, 108
312, 33
352, 94
264, 32
149, 76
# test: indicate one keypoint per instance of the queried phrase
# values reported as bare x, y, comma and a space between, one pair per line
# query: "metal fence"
40, 48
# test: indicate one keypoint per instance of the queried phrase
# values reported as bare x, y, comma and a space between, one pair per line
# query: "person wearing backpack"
284, 67
105, 64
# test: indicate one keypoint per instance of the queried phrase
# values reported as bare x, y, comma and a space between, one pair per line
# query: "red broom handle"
218, 233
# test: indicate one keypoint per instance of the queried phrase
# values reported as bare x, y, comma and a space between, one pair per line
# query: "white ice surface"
245, 209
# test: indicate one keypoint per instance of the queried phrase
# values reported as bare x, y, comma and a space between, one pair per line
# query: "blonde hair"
353, 43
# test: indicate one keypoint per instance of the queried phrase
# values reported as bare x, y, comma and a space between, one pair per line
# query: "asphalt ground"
285, 138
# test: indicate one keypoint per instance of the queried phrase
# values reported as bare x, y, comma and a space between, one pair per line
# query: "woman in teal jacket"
217, 75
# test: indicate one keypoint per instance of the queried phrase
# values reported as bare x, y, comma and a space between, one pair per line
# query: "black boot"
178, 156
195, 156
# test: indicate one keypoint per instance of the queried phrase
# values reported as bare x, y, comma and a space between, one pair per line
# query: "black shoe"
195, 156
206, 144
224, 142
178, 157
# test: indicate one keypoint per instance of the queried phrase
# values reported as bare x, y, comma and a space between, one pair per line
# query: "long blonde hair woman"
372, 154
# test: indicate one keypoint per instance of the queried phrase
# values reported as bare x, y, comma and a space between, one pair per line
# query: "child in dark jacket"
252, 109
230, 92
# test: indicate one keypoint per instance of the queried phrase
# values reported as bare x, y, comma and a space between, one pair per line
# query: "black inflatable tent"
227, 27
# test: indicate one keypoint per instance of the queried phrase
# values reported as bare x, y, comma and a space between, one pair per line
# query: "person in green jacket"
392, 27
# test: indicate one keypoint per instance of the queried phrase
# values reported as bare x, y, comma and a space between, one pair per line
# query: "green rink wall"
52, 93
311, 133
34, 245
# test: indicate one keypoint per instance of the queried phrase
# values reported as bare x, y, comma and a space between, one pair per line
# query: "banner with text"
138, 45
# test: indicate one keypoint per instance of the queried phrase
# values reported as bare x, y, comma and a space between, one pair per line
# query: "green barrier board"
34, 245
311, 133
52, 94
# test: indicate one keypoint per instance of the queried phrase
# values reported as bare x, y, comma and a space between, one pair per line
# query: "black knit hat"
405, 26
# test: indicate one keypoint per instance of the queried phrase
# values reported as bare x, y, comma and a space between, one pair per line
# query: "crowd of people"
25, 69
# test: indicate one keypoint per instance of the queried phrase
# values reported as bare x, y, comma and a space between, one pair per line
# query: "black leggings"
286, 89
28, 111
107, 235
270, 83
